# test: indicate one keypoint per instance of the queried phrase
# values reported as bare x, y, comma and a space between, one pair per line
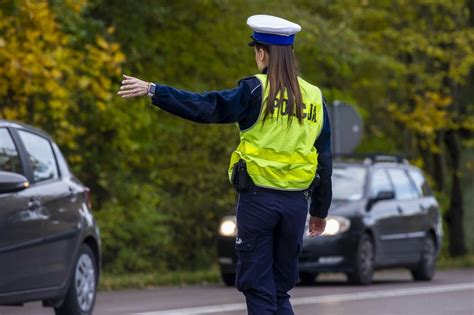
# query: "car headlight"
228, 226
336, 225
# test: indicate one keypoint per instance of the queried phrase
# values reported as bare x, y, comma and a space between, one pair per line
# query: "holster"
241, 179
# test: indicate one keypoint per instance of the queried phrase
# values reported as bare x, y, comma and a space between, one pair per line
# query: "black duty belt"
242, 181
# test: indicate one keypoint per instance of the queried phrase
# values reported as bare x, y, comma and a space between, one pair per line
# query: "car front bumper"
227, 254
329, 253
319, 254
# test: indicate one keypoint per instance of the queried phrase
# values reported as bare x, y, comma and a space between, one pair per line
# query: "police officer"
284, 143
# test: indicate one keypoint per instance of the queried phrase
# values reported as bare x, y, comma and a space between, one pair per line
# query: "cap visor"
254, 42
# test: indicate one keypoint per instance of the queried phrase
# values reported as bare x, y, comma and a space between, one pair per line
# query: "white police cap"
272, 30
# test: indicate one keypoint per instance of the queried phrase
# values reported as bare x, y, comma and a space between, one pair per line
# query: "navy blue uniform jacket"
242, 105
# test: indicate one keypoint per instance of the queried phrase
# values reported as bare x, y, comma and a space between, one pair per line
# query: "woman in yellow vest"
284, 143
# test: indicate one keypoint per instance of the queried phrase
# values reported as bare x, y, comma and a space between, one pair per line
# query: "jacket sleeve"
322, 195
222, 107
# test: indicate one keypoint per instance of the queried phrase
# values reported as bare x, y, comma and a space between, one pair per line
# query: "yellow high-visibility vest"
280, 155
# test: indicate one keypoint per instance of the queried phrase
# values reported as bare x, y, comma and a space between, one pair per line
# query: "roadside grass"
110, 281
454, 263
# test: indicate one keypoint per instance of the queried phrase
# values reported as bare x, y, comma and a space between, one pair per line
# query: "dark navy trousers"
270, 231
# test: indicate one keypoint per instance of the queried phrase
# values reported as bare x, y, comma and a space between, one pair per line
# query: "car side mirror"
381, 195
12, 182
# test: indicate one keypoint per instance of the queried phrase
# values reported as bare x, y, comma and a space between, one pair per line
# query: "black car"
383, 215
49, 241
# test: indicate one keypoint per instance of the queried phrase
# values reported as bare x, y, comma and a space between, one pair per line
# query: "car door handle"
399, 209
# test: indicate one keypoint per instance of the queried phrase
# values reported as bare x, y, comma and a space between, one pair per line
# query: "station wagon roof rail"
372, 158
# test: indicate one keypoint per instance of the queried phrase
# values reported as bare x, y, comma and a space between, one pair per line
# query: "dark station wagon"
49, 241
383, 215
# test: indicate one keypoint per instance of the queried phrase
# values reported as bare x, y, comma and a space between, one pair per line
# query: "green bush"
135, 235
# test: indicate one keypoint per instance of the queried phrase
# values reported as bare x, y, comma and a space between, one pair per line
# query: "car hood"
347, 208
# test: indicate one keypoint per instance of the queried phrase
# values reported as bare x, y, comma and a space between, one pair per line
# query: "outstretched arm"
209, 107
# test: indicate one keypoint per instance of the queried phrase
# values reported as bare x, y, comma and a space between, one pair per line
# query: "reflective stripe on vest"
280, 155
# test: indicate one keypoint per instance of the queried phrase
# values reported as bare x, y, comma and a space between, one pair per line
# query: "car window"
62, 164
404, 188
9, 158
380, 182
420, 182
41, 156
348, 183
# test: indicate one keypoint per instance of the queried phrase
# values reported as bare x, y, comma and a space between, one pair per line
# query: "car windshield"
348, 182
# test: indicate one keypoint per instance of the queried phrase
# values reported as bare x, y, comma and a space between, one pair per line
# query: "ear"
265, 56
261, 54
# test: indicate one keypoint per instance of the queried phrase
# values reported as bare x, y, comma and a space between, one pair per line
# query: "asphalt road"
392, 293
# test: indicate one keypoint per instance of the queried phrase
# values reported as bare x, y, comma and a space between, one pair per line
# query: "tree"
57, 74
434, 44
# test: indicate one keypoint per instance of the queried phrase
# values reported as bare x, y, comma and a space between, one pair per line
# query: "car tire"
365, 262
80, 297
425, 269
308, 278
229, 279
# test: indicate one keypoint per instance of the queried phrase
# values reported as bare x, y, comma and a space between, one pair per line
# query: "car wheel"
80, 297
229, 279
308, 278
426, 267
364, 264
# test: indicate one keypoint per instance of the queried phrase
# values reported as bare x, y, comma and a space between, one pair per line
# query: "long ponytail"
282, 77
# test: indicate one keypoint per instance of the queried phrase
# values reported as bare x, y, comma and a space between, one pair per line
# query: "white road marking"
321, 299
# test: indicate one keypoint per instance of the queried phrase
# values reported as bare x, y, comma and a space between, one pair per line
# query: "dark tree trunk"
425, 155
455, 214
438, 167
470, 5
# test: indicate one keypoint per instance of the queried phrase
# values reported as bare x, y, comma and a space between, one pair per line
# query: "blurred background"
159, 183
